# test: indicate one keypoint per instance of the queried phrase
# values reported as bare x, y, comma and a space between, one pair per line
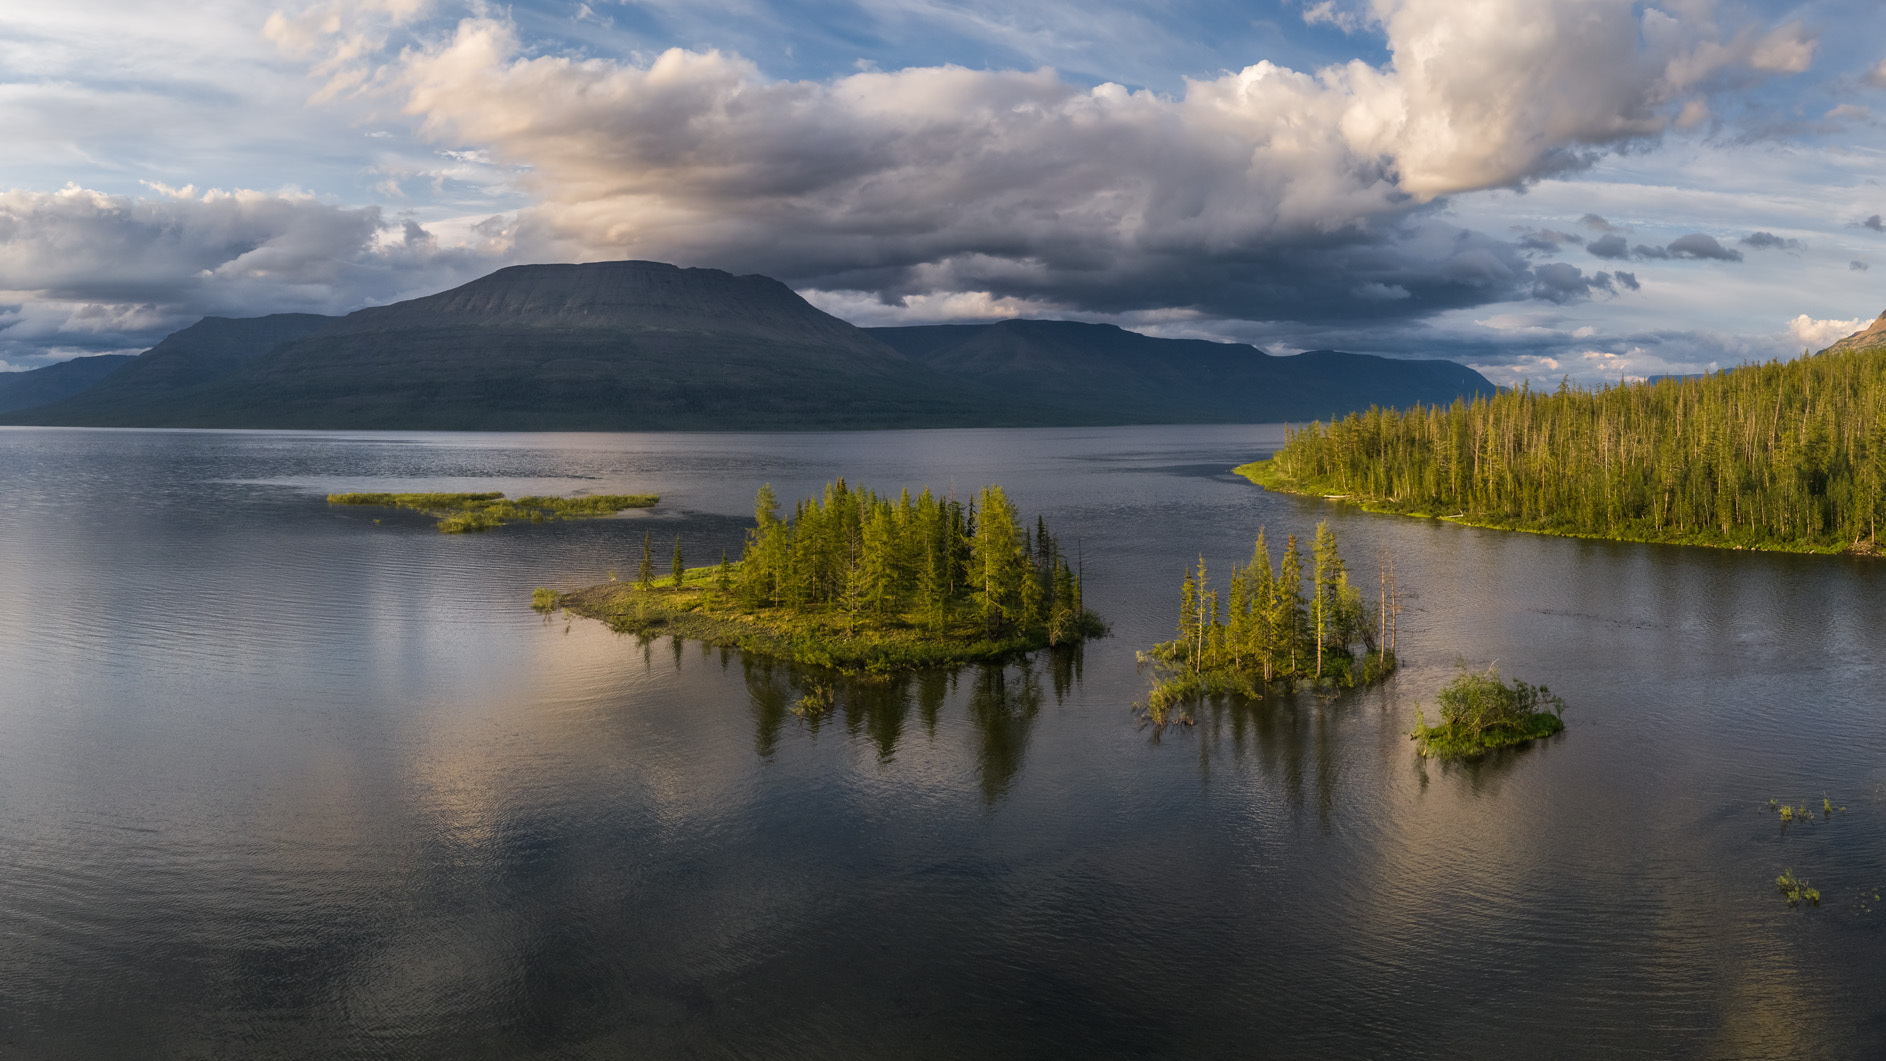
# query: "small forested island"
1785, 456
459, 513
1268, 632
1480, 712
861, 582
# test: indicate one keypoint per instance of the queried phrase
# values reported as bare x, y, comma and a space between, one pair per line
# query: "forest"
855, 579
1266, 630
1783, 455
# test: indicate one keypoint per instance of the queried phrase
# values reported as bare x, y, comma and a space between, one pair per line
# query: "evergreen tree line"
1788, 454
1266, 629
937, 560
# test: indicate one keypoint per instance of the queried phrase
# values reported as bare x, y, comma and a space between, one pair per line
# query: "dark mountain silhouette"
43, 386
614, 346
1117, 376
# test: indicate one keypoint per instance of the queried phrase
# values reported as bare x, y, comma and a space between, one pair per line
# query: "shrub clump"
1480, 712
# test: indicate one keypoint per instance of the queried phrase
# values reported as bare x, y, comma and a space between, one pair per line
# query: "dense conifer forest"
1266, 630
856, 579
1779, 455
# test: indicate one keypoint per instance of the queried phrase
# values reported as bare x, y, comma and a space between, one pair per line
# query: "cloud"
1820, 334
1609, 246
1325, 13
1266, 193
1857, 266
1547, 240
1695, 246
1627, 281
1874, 223
1877, 76
1699, 247
1593, 221
102, 272
1559, 282
1769, 241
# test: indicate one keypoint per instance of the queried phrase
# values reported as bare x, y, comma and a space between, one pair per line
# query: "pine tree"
645, 579
676, 568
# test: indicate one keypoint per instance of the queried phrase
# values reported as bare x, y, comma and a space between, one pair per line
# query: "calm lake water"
277, 780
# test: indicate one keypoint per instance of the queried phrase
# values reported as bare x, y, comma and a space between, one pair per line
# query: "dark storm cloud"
116, 272
1699, 247
1762, 241
1609, 246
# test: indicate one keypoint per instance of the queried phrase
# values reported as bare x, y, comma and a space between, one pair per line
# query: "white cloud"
1017, 183
1820, 334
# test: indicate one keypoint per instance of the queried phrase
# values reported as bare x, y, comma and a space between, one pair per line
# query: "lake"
279, 780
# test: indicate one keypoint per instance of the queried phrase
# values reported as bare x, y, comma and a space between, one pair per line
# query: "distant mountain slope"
625, 346
43, 386
1126, 377
609, 346
1872, 335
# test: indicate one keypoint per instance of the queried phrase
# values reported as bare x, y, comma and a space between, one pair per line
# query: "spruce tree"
645, 578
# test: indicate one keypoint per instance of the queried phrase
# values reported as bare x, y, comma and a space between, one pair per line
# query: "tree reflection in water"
1002, 704
1003, 712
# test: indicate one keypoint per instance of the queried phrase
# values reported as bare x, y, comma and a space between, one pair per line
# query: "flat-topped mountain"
623, 346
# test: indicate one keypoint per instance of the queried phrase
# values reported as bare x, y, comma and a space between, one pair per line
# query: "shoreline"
1259, 473
816, 638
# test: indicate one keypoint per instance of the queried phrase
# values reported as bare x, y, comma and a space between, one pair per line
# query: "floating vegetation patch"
459, 513
1480, 712
1795, 889
1790, 813
543, 600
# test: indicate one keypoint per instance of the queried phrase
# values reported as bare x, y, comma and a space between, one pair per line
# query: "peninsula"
1784, 456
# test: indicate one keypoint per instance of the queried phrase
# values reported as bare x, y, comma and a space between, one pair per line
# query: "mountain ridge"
632, 345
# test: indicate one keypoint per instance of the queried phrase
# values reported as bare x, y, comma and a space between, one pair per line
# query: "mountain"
43, 386
623, 346
1873, 335
1117, 376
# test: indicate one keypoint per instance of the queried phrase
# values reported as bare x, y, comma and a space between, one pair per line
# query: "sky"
1596, 189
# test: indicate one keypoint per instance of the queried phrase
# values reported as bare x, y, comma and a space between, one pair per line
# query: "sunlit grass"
459, 513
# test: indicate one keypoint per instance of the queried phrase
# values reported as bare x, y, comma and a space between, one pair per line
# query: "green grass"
1480, 713
1265, 474
459, 513
543, 600
823, 637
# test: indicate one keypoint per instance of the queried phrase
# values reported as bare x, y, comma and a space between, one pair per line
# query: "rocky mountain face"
1872, 335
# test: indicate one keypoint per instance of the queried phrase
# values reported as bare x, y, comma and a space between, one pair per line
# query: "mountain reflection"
1001, 705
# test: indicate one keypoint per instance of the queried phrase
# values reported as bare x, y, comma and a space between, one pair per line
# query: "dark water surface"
279, 781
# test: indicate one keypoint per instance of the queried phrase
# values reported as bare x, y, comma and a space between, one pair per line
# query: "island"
1267, 631
459, 513
1481, 712
861, 582
1778, 456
